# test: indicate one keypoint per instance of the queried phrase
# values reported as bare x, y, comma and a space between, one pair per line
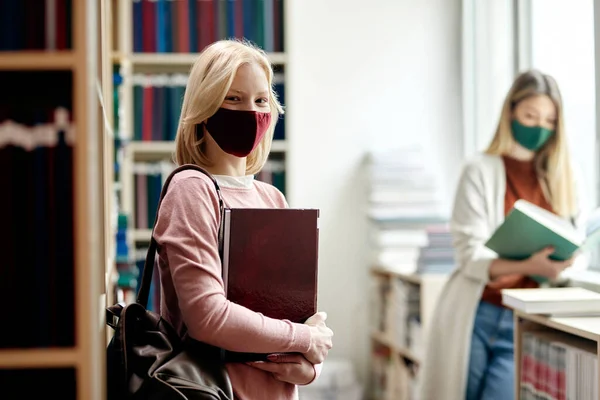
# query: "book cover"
528, 229
553, 301
270, 263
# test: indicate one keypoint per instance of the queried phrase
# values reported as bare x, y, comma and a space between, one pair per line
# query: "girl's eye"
263, 100
232, 98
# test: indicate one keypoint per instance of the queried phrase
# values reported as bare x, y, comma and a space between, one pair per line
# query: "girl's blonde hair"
552, 162
208, 83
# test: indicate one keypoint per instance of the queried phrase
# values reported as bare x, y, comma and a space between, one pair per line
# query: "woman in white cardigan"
470, 349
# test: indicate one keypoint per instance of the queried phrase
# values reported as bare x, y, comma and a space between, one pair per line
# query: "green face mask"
530, 137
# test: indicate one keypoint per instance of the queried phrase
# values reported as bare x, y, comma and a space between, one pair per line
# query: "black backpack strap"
144, 291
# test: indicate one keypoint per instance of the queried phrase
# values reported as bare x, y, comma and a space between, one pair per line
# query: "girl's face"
536, 111
249, 90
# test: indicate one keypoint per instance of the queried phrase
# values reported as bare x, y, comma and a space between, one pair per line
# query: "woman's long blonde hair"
552, 162
208, 83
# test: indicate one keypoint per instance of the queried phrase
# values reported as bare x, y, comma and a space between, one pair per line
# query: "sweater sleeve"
187, 233
469, 226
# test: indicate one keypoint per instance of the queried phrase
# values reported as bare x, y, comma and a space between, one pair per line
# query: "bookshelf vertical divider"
76, 368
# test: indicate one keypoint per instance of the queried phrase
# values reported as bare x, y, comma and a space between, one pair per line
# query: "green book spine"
222, 21
260, 23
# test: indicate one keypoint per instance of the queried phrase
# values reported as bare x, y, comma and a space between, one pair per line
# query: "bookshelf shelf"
382, 339
141, 235
34, 358
414, 279
402, 306
177, 59
572, 332
37, 60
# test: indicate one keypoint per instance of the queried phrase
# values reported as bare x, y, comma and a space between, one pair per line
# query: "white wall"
364, 74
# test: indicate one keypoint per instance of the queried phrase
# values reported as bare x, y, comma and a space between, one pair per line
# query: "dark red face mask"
237, 132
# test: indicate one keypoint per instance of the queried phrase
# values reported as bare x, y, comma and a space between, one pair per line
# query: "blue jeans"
491, 365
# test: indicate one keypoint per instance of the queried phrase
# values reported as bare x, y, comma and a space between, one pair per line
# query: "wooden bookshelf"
36, 358
579, 329
404, 360
177, 59
132, 63
84, 361
37, 60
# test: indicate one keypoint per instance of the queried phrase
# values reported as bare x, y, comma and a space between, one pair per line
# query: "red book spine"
206, 21
239, 18
149, 25
61, 25
147, 119
183, 26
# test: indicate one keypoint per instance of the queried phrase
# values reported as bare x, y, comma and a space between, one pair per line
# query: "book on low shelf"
553, 301
557, 366
529, 228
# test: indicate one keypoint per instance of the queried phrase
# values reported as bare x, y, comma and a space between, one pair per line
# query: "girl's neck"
520, 153
229, 166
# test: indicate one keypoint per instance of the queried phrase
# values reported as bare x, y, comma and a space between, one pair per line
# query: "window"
562, 45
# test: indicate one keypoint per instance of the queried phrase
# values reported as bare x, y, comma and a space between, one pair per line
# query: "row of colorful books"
36, 25
556, 366
182, 26
157, 103
149, 178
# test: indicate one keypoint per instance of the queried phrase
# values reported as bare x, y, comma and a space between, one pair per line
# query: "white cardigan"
478, 211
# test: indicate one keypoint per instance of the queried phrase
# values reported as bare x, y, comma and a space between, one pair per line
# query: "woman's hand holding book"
320, 338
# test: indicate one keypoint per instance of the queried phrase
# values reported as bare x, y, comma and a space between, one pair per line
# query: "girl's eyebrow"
238, 91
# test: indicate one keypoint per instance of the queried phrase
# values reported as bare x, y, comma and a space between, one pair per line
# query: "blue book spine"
231, 18
169, 10
161, 42
269, 45
249, 20
137, 26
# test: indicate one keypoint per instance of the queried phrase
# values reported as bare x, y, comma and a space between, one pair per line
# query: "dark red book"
270, 263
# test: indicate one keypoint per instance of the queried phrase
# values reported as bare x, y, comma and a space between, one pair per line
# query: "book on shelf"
557, 366
36, 25
157, 102
528, 229
187, 26
270, 263
148, 179
565, 301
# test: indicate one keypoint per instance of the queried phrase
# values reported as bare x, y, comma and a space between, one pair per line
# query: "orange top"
521, 183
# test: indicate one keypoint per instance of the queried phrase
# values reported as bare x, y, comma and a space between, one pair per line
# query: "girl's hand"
291, 368
320, 338
540, 264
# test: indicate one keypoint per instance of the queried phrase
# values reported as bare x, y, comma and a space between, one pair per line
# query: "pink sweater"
192, 287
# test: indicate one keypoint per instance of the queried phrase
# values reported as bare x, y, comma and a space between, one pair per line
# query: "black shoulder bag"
147, 359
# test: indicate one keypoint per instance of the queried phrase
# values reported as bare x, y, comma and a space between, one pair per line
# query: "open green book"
528, 229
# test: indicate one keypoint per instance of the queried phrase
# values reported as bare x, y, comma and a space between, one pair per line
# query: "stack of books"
407, 211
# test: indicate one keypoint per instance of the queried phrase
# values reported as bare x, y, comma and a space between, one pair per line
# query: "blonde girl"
226, 126
470, 351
